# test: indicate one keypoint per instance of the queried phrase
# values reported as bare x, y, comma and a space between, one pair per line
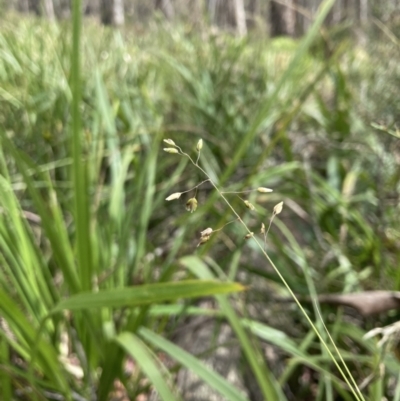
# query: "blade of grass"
144, 207
397, 392
46, 359
265, 108
268, 385
106, 115
79, 173
52, 222
5, 379
286, 344
146, 294
212, 378
147, 362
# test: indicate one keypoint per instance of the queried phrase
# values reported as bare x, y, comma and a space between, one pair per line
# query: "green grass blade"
79, 173
47, 358
50, 214
147, 362
212, 378
265, 110
5, 379
266, 381
147, 190
146, 294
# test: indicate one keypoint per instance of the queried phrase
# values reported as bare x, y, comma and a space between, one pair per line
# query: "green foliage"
84, 222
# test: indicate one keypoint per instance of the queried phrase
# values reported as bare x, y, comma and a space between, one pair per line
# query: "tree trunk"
364, 11
283, 18
112, 12
166, 7
257, 15
337, 11
49, 9
34, 6
22, 6
240, 15
62, 9
212, 10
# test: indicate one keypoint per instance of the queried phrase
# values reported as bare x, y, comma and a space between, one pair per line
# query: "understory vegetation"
98, 271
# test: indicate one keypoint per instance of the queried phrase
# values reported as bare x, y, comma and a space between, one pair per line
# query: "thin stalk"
81, 203
351, 383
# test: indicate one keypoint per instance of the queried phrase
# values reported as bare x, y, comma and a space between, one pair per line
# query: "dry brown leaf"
368, 303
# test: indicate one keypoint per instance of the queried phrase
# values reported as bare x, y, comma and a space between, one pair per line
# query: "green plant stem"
78, 168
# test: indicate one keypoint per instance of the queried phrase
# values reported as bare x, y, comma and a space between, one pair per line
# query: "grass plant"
95, 264
191, 205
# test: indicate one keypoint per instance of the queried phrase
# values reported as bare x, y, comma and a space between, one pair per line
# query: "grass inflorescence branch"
206, 235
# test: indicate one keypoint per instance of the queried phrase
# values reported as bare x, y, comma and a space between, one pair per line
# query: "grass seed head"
206, 232
170, 150
278, 208
264, 190
205, 236
169, 142
249, 205
173, 196
203, 240
191, 205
